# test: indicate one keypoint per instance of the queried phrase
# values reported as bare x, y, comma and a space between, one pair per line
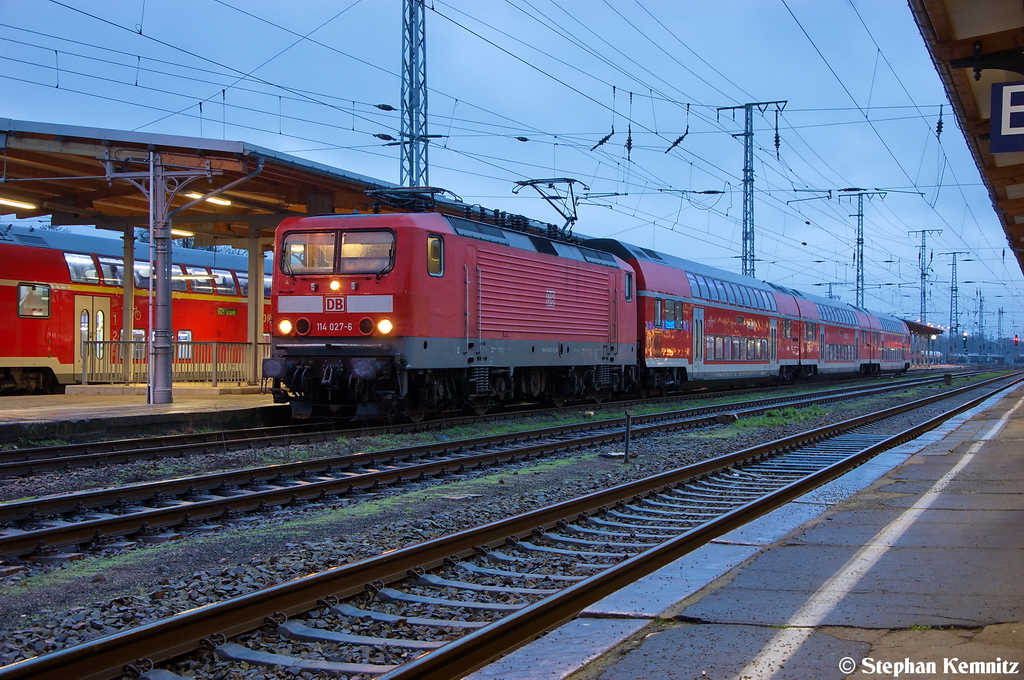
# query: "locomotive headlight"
384, 326
285, 326
335, 285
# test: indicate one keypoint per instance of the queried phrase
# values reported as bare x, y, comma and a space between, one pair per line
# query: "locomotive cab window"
308, 253
367, 252
629, 287
435, 255
33, 301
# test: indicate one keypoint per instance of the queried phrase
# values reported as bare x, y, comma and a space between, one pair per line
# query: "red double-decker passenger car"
58, 289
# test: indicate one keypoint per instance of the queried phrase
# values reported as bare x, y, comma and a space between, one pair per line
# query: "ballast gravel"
47, 608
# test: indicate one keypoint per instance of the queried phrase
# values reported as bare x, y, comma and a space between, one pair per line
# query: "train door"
92, 322
472, 301
773, 344
821, 344
698, 342
613, 314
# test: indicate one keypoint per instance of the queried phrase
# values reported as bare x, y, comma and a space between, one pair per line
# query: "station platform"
908, 566
78, 417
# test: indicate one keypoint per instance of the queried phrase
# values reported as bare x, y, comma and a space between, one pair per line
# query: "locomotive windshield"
347, 252
366, 252
308, 253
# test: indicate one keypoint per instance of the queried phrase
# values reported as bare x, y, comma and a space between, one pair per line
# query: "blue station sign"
1007, 121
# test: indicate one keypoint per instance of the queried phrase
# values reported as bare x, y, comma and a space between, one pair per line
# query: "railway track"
33, 460
447, 606
167, 509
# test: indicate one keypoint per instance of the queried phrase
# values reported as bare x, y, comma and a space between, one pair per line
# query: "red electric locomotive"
412, 313
58, 289
701, 323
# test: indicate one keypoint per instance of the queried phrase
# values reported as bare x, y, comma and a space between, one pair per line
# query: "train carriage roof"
54, 239
530, 240
829, 311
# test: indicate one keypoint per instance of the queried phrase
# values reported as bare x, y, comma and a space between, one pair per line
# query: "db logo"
334, 304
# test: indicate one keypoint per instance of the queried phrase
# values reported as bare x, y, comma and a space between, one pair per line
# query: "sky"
527, 89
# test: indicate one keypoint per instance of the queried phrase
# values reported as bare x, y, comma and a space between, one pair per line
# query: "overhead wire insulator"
776, 133
679, 139
604, 139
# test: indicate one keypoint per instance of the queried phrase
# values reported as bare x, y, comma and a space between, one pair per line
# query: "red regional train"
58, 289
406, 314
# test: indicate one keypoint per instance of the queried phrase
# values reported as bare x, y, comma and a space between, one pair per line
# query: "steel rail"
475, 650
28, 461
397, 465
31, 460
105, 658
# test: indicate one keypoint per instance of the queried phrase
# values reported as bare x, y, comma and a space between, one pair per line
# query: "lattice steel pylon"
414, 137
954, 294
748, 256
925, 264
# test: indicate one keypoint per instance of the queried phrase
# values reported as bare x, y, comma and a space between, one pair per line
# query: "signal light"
1016, 339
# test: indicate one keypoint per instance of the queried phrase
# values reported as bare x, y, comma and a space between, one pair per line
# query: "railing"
213, 362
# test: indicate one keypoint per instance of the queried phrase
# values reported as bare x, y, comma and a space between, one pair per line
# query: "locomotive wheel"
595, 397
416, 414
481, 405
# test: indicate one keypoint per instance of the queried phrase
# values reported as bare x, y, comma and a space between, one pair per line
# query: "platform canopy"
977, 46
219, 192
77, 176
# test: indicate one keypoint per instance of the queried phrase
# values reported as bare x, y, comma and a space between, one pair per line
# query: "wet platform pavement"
909, 566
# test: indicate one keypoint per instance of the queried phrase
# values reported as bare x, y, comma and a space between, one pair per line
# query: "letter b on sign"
1007, 129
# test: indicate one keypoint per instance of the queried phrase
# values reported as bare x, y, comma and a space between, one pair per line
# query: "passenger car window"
82, 268
142, 280
243, 282
113, 270
224, 281
33, 301
200, 278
